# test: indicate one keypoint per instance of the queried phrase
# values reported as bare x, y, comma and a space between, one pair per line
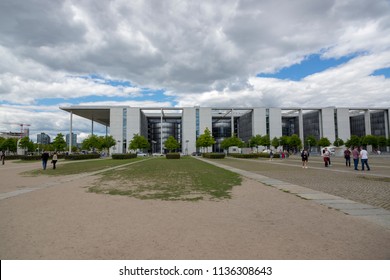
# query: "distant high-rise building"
74, 139
43, 138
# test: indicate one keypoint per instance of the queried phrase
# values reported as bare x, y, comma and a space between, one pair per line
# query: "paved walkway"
365, 211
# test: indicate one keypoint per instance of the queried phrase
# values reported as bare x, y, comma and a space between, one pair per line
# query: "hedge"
12, 157
123, 156
173, 156
255, 155
36, 157
213, 155
244, 155
81, 156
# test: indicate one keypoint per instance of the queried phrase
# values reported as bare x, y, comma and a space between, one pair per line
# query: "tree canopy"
323, 142
59, 142
171, 144
138, 142
205, 140
232, 141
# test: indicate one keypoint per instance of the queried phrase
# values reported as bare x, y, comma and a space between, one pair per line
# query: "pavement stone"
373, 214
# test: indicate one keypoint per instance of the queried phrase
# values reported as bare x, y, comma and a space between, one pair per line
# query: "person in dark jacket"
45, 158
305, 158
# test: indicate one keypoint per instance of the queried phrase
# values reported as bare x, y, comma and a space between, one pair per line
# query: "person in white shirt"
364, 158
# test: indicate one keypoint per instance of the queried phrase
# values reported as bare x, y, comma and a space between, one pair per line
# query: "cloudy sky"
266, 53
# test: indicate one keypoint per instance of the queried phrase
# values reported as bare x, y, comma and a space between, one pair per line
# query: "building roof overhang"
97, 114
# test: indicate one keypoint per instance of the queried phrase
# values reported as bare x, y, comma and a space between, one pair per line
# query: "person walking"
326, 156
355, 155
2, 157
347, 156
305, 158
54, 160
364, 158
45, 158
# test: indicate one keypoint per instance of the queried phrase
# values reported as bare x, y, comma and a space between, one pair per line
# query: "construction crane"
22, 125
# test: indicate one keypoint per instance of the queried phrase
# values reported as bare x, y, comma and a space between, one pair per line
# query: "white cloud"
201, 53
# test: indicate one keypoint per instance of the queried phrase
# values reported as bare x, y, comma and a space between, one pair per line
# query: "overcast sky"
266, 53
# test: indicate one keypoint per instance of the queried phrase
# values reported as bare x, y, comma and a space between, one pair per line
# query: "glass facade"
169, 127
378, 127
311, 124
244, 127
290, 126
221, 129
358, 126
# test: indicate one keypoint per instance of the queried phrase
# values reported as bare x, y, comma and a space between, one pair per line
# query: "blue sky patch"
310, 65
382, 72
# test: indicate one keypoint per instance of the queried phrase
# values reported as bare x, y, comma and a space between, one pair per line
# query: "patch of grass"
77, 167
185, 179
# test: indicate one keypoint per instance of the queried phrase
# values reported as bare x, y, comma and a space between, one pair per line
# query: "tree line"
204, 141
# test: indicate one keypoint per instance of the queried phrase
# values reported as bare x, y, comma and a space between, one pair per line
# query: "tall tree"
310, 141
275, 142
59, 142
323, 142
338, 142
91, 143
138, 142
232, 141
26, 143
265, 141
107, 142
295, 142
205, 140
171, 144
9, 144
255, 141
354, 141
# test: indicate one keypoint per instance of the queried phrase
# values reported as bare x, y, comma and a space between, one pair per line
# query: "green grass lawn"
159, 178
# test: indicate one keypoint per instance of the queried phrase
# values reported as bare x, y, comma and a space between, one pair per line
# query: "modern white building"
187, 123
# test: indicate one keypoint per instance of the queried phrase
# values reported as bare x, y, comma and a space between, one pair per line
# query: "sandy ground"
259, 222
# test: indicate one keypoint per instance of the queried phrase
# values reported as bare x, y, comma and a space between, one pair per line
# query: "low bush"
213, 155
35, 157
12, 157
266, 155
244, 155
123, 156
173, 156
81, 156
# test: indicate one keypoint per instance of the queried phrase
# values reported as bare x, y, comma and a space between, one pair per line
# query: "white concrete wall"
259, 124
133, 124
300, 122
328, 127
189, 130
275, 122
367, 122
116, 127
343, 124
205, 119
